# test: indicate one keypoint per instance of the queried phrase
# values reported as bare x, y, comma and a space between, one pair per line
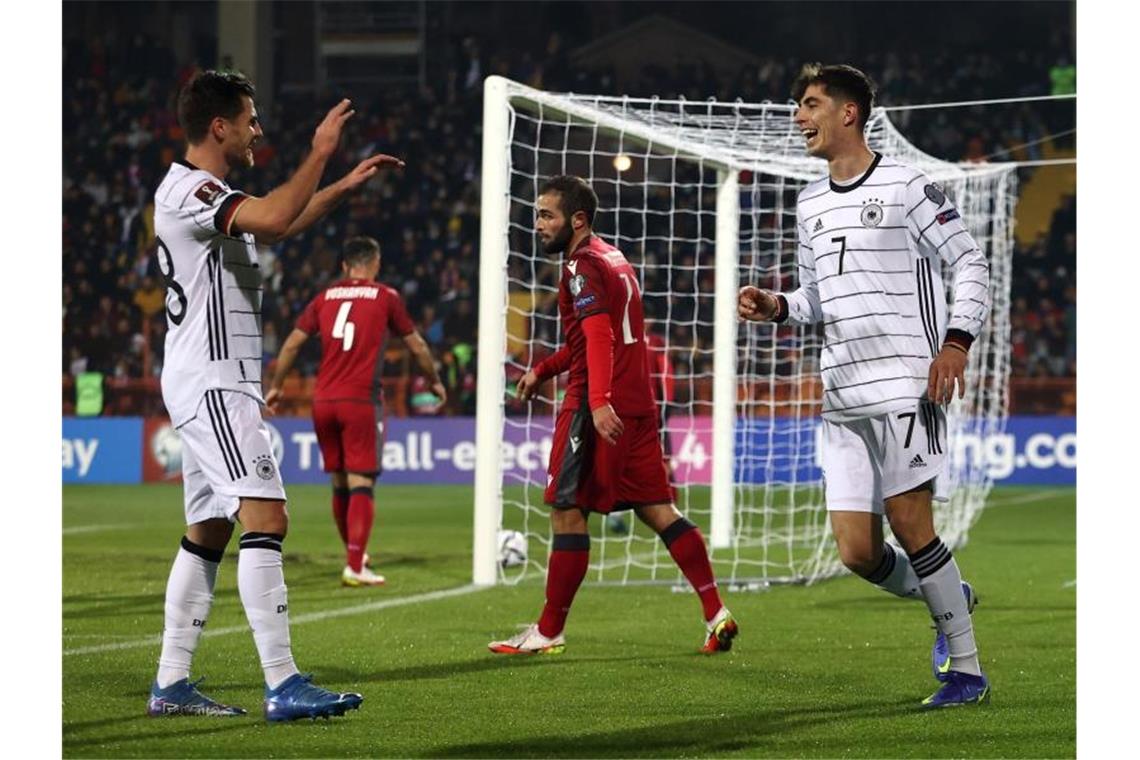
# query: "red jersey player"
353, 317
606, 454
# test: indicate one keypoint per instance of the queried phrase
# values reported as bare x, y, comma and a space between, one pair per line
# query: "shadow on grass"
164, 730
705, 736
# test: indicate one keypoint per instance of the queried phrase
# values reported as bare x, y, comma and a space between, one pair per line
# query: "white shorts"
869, 460
227, 454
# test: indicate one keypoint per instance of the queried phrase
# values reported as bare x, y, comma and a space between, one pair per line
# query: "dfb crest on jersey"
872, 214
577, 282
935, 193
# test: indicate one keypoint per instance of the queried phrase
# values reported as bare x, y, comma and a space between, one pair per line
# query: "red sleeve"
599, 358
398, 320
553, 365
309, 322
587, 287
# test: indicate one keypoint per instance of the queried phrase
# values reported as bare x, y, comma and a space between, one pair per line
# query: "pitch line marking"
91, 529
1027, 497
311, 617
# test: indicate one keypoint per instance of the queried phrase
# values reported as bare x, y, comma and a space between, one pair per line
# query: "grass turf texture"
833, 670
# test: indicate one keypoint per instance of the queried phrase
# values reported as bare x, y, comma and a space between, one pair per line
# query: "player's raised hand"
527, 386
368, 168
608, 424
946, 369
756, 305
327, 136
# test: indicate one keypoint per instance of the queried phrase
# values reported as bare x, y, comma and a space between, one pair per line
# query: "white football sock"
261, 583
189, 594
941, 584
895, 574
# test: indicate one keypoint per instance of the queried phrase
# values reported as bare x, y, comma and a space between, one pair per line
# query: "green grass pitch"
832, 670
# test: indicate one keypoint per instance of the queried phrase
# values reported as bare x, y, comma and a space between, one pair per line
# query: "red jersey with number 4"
353, 318
596, 279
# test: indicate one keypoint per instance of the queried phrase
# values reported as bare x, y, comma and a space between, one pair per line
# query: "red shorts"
591, 474
350, 434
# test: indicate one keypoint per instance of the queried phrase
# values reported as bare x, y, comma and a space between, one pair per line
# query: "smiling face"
240, 134
824, 121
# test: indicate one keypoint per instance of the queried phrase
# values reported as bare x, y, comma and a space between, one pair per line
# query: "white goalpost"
700, 197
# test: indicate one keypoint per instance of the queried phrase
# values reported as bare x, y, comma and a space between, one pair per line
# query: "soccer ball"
512, 548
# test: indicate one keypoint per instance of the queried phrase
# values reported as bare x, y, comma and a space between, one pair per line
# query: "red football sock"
569, 561
360, 513
687, 547
340, 512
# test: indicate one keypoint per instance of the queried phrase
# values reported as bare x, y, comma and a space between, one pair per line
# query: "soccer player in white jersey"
211, 383
873, 236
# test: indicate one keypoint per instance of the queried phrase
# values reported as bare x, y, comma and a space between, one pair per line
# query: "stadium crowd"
120, 133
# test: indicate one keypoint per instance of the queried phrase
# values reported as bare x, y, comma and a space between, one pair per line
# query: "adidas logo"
917, 462
818, 225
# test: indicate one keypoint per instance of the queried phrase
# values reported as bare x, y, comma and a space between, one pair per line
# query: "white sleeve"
803, 303
211, 206
939, 230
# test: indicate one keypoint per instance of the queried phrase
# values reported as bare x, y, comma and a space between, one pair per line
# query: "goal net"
700, 197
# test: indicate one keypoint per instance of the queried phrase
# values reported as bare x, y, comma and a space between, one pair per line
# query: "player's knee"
859, 557
568, 521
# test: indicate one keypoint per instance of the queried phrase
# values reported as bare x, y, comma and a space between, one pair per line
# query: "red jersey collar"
582, 244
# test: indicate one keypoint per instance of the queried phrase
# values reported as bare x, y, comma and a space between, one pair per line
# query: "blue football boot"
298, 698
940, 653
183, 698
959, 689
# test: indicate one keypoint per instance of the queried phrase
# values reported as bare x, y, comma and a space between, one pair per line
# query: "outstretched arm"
269, 218
329, 197
285, 359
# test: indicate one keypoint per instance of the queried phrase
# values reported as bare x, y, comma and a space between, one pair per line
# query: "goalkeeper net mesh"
655, 165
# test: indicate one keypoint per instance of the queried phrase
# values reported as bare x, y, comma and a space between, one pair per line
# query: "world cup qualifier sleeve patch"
208, 192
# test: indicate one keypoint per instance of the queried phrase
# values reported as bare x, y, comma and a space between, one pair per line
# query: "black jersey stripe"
212, 326
220, 310
927, 426
229, 431
849, 205
857, 227
933, 313
864, 316
871, 359
880, 402
866, 271
938, 417
872, 382
870, 337
924, 305
865, 293
223, 444
962, 231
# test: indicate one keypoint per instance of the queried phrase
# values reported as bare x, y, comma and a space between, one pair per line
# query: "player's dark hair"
360, 250
839, 81
208, 95
575, 195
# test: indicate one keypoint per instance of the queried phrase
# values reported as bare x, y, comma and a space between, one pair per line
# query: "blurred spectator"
120, 133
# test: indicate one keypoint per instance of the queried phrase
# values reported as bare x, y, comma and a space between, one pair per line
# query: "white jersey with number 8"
213, 291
